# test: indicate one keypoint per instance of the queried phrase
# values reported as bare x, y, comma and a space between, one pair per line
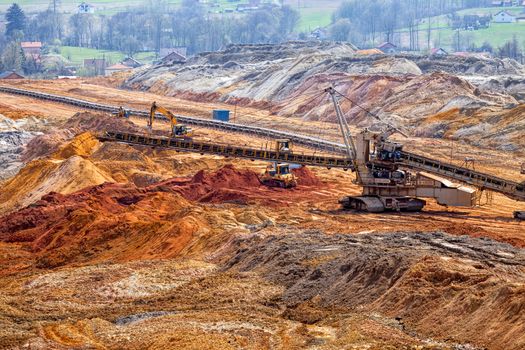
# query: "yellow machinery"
179, 131
279, 175
122, 113
284, 146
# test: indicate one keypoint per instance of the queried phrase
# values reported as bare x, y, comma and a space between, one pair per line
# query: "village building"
173, 57
32, 49
181, 50
504, 17
11, 75
387, 47
438, 52
131, 62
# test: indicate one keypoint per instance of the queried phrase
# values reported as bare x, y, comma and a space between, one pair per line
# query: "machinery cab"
389, 151
279, 175
284, 146
281, 169
182, 131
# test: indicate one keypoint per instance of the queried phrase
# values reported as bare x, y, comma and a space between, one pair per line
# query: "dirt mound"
65, 171
305, 177
447, 287
127, 222
88, 121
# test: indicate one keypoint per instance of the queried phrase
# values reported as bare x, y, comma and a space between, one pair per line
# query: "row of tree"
367, 22
155, 25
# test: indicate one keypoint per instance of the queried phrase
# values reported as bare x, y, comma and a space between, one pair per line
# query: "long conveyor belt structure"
192, 145
509, 188
303, 140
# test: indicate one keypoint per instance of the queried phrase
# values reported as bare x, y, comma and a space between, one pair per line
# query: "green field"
443, 36
76, 55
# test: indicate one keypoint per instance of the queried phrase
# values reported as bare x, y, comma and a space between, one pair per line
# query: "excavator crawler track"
376, 204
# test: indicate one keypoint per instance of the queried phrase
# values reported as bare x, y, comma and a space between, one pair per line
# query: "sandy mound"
65, 172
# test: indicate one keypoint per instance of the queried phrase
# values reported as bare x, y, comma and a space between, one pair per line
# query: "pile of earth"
121, 211
50, 142
14, 136
459, 289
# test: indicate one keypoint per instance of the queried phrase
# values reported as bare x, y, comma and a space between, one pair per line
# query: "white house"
504, 17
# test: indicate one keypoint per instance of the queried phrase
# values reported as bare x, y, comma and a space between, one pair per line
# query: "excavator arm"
156, 108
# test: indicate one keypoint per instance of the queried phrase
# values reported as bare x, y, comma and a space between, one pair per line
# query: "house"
520, 18
131, 62
84, 7
11, 75
387, 47
32, 49
181, 50
173, 57
504, 17
496, 3
96, 65
119, 67
438, 52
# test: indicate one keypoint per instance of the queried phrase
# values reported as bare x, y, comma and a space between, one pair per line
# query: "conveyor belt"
509, 188
303, 140
190, 145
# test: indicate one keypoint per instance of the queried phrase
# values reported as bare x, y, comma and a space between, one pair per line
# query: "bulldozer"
177, 130
278, 175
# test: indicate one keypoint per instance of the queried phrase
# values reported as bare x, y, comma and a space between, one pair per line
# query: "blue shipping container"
221, 114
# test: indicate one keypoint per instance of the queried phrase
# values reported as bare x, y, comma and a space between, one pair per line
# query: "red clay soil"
306, 177
232, 185
101, 222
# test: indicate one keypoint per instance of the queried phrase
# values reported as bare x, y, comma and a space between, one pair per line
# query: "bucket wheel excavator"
381, 168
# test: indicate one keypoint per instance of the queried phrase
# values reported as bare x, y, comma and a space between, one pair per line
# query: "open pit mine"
291, 196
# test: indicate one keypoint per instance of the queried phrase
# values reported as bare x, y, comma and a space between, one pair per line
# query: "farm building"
131, 62
181, 50
387, 47
11, 75
438, 52
504, 17
32, 49
173, 57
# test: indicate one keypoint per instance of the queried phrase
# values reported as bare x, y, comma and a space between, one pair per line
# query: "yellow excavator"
177, 130
278, 175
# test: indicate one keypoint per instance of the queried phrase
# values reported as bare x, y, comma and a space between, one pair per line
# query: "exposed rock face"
289, 79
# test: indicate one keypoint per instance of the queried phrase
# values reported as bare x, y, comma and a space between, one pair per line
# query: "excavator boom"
176, 130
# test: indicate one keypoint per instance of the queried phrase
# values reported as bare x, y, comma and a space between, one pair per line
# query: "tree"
13, 57
16, 20
340, 30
